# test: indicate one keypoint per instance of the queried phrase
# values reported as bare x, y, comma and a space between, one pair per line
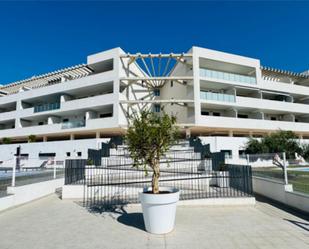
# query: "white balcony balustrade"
73, 124
227, 76
217, 96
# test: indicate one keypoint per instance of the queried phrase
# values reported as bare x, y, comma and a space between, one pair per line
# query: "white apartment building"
221, 97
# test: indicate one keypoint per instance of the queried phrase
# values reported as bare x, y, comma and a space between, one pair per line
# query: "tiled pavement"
53, 223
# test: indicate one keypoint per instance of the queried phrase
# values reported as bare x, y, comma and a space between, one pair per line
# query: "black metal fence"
95, 156
117, 182
75, 171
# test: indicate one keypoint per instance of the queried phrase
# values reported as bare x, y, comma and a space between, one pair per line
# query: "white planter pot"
223, 180
159, 210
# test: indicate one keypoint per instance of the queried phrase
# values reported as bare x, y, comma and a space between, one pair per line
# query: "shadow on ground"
118, 212
133, 220
293, 211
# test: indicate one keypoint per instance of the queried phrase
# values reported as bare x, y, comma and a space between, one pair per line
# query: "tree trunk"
155, 177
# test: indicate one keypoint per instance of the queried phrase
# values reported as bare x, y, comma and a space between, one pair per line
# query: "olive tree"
149, 137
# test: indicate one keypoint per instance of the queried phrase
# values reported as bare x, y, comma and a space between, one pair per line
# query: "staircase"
179, 156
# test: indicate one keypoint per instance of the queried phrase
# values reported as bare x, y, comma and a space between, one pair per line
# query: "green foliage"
281, 141
148, 138
90, 161
305, 151
6, 140
31, 138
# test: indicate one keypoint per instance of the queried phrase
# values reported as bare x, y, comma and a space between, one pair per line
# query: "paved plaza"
53, 223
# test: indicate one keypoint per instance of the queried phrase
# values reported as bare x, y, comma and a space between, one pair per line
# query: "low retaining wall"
23, 194
76, 192
280, 192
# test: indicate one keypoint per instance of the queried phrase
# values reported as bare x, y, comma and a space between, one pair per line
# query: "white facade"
223, 98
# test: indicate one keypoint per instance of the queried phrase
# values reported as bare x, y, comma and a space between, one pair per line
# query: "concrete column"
19, 105
52, 120
250, 134
300, 136
230, 133
90, 115
72, 137
44, 139
188, 133
18, 123
97, 134
65, 97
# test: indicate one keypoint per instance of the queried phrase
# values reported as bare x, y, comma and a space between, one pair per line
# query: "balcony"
238, 78
47, 107
217, 96
251, 124
73, 124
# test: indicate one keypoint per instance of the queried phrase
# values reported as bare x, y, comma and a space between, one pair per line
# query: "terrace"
65, 224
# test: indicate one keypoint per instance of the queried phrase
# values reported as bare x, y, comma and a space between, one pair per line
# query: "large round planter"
159, 210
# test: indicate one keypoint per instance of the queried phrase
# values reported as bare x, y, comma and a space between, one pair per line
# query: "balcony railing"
217, 96
73, 124
227, 76
47, 107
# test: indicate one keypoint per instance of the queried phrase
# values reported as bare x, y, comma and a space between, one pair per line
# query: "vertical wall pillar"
90, 115
44, 139
231, 133
196, 84
97, 135
65, 97
72, 136
188, 133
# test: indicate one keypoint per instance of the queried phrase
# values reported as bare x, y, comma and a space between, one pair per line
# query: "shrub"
6, 140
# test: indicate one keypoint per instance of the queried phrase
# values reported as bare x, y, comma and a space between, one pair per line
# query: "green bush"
281, 141
6, 140
31, 138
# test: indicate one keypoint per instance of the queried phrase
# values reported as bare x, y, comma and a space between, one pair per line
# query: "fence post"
55, 170
285, 169
247, 156
14, 174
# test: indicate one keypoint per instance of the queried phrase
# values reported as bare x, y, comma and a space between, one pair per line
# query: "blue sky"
39, 37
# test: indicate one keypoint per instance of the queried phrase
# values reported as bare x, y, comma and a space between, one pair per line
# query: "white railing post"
285, 169
55, 170
14, 174
247, 159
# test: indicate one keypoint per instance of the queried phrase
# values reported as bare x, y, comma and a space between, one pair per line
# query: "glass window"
156, 92
157, 108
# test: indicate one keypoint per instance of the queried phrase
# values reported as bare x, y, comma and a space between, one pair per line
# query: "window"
65, 120
157, 108
242, 116
216, 114
68, 154
172, 83
79, 153
106, 115
156, 92
41, 123
242, 153
205, 113
227, 153
273, 118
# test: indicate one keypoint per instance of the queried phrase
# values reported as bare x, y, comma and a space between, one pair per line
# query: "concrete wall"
280, 192
58, 147
27, 193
